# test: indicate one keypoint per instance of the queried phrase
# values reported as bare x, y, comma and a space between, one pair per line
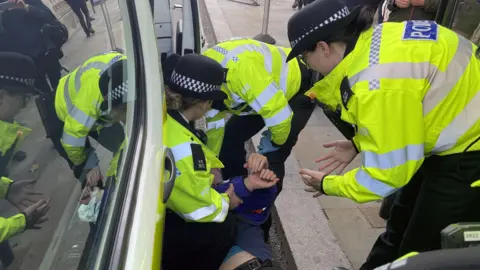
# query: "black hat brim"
19, 88
213, 95
323, 34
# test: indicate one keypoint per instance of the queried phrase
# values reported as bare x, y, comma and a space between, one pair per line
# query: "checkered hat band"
27, 82
192, 84
118, 92
344, 12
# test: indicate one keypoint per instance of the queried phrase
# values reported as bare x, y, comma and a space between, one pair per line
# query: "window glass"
65, 92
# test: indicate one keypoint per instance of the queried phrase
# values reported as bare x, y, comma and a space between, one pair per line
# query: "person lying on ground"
257, 192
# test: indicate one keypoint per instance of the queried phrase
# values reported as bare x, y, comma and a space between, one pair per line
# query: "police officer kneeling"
412, 90
198, 229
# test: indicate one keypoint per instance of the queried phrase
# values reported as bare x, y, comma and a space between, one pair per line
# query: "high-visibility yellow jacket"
413, 90
258, 82
9, 133
193, 197
14, 225
77, 103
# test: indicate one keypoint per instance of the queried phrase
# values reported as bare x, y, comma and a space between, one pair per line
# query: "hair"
363, 22
175, 101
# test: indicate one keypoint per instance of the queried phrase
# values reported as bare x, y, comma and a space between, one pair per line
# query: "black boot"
92, 31
19, 156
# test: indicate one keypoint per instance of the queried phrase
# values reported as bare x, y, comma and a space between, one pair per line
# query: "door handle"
169, 165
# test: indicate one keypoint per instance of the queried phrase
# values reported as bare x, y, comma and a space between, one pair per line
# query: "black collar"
351, 44
179, 118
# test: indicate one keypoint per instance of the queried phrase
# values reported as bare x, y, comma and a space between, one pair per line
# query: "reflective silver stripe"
82, 118
279, 117
73, 141
95, 64
459, 126
223, 214
261, 100
66, 94
374, 56
181, 151
394, 158
284, 72
373, 185
264, 50
443, 82
211, 113
216, 124
398, 70
200, 213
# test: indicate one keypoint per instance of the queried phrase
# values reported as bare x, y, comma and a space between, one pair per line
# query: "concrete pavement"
323, 232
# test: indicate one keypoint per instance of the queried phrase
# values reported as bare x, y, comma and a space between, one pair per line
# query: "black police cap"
113, 84
317, 22
198, 76
17, 72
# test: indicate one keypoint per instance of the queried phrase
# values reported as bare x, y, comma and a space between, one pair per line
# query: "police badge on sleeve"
420, 30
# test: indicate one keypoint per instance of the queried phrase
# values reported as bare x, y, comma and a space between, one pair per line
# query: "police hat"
317, 22
198, 76
113, 85
17, 72
168, 65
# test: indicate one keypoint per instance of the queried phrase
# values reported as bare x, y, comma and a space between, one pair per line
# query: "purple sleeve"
238, 186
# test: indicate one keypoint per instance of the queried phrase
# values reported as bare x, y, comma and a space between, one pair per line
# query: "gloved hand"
266, 145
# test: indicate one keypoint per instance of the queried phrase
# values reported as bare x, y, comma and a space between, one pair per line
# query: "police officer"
197, 225
87, 100
17, 79
262, 90
412, 91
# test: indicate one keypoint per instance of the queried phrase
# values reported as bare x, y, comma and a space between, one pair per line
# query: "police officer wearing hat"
412, 92
17, 79
198, 229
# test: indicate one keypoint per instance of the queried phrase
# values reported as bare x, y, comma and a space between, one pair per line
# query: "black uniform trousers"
438, 195
194, 245
240, 129
83, 16
48, 67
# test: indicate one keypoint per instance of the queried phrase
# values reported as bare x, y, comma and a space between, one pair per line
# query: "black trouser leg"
85, 11
444, 196
195, 245
238, 130
54, 72
81, 19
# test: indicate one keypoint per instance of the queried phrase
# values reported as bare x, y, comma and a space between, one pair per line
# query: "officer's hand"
261, 180
94, 176
35, 214
217, 176
343, 153
235, 201
402, 3
19, 3
21, 195
256, 162
313, 179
